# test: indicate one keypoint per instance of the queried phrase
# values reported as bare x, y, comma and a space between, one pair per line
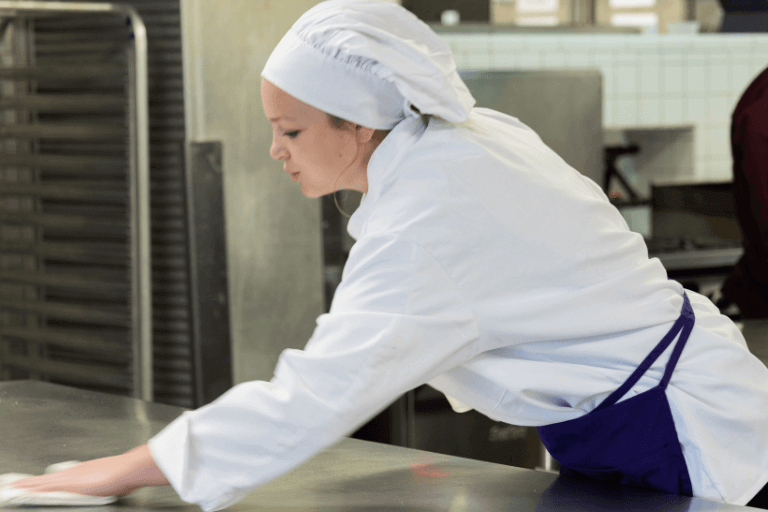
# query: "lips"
295, 176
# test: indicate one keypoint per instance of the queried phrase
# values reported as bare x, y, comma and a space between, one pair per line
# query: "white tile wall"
649, 80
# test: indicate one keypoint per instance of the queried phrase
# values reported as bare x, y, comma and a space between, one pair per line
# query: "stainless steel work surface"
42, 424
697, 259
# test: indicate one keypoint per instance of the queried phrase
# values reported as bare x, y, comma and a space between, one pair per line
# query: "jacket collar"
382, 168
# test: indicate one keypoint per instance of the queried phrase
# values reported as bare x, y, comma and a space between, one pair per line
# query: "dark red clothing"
747, 286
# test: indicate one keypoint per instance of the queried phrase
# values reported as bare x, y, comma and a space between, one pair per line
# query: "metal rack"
75, 264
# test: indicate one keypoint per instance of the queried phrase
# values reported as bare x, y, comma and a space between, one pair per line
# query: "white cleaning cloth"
11, 497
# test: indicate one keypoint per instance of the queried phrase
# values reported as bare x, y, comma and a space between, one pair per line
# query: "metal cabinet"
102, 210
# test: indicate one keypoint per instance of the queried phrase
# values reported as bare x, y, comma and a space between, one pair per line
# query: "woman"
484, 266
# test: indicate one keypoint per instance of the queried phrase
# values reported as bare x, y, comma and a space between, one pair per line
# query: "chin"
312, 194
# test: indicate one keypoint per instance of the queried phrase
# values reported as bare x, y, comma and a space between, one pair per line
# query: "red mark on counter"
423, 467
427, 471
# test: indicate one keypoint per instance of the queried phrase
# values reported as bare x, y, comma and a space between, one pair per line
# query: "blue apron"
633, 442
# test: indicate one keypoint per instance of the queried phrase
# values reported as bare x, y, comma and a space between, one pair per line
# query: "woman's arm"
109, 476
397, 321
147, 473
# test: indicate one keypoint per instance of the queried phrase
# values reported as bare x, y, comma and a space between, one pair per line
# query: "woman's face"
315, 154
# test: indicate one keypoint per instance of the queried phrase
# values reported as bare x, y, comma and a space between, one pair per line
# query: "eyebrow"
273, 119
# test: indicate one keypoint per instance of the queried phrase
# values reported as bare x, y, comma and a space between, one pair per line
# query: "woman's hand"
110, 476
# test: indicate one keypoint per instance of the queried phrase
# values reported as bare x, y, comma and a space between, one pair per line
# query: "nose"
276, 152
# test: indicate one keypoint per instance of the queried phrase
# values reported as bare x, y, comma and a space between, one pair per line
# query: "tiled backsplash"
649, 80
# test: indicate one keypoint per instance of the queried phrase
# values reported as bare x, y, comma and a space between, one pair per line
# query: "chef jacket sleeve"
396, 322
457, 405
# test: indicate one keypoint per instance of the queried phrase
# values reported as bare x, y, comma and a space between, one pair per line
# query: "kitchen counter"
43, 423
700, 259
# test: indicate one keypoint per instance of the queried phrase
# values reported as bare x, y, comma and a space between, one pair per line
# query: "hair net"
368, 61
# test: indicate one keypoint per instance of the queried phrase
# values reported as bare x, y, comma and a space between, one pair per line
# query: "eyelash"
292, 134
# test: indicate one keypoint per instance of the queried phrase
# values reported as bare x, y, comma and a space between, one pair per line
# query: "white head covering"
368, 61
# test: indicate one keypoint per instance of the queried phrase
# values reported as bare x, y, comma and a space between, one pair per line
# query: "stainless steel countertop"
42, 424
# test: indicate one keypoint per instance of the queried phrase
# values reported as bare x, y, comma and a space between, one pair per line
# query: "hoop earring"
334, 187
339, 207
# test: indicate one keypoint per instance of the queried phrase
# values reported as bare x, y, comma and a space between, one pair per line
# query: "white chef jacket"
489, 268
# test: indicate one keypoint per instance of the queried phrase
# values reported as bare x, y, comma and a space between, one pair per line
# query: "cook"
747, 285
485, 266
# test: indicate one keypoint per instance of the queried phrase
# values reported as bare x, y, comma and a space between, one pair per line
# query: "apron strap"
687, 328
684, 323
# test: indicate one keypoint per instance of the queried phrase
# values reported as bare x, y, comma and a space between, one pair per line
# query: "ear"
364, 134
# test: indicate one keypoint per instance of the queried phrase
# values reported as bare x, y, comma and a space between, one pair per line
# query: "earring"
339, 207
